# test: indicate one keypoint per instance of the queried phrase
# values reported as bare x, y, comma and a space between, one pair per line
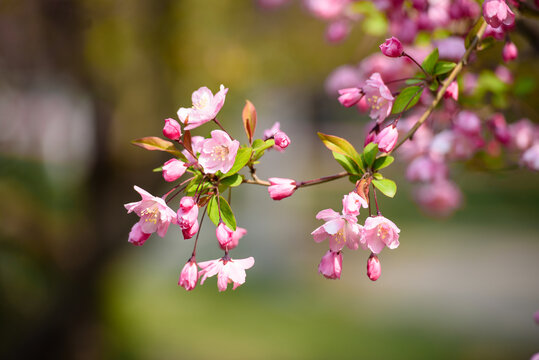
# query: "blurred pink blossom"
530, 157
440, 198
510, 51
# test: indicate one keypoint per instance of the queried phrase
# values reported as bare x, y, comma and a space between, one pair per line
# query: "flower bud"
452, 91
172, 129
392, 47
331, 265
350, 96
387, 138
186, 203
510, 52
374, 269
227, 238
173, 170
281, 188
281, 140
496, 13
136, 236
191, 231
187, 214
189, 275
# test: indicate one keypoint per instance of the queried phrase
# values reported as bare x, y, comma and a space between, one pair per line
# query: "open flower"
340, 229
218, 152
379, 232
154, 213
187, 217
227, 270
496, 13
379, 97
205, 108
331, 265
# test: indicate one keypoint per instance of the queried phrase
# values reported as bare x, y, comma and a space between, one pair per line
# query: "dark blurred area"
80, 78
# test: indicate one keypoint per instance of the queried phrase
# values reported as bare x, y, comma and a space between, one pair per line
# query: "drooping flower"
172, 129
374, 268
387, 138
379, 97
154, 213
496, 13
229, 239
510, 51
218, 153
340, 229
189, 275
187, 217
379, 232
136, 236
352, 203
173, 170
281, 188
205, 108
331, 265
227, 270
392, 47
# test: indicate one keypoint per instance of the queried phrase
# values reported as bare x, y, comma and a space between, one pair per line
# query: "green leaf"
260, 146
193, 185
382, 162
158, 169
354, 178
369, 153
377, 176
154, 143
430, 61
242, 158
433, 86
227, 216
341, 146
443, 67
232, 181
413, 81
347, 163
407, 99
386, 186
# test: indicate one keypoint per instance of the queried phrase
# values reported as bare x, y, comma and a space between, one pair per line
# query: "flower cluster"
212, 164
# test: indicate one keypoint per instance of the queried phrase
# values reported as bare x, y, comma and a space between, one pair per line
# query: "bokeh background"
79, 79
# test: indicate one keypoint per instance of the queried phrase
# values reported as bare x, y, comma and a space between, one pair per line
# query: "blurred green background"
80, 79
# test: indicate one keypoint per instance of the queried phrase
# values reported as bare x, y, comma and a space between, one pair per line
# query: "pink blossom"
442, 143
392, 47
331, 265
468, 123
426, 169
379, 232
337, 31
345, 76
510, 51
387, 138
464, 9
270, 133
350, 96
227, 238
187, 216
496, 13
389, 68
173, 170
154, 213
205, 108
470, 83
452, 91
374, 268
536, 355
530, 157
136, 236
340, 229
218, 153
451, 48
440, 198
378, 97
521, 134
497, 33
172, 129
504, 74
371, 137
326, 9
420, 142
196, 146
281, 188
405, 27
189, 275
281, 140
499, 128
227, 270
352, 203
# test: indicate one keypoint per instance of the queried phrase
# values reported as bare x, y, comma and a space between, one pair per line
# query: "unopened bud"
392, 47
374, 269
281, 140
172, 129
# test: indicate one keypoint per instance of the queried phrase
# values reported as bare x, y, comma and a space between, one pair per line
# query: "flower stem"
418, 65
222, 128
458, 68
322, 179
198, 233
376, 202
